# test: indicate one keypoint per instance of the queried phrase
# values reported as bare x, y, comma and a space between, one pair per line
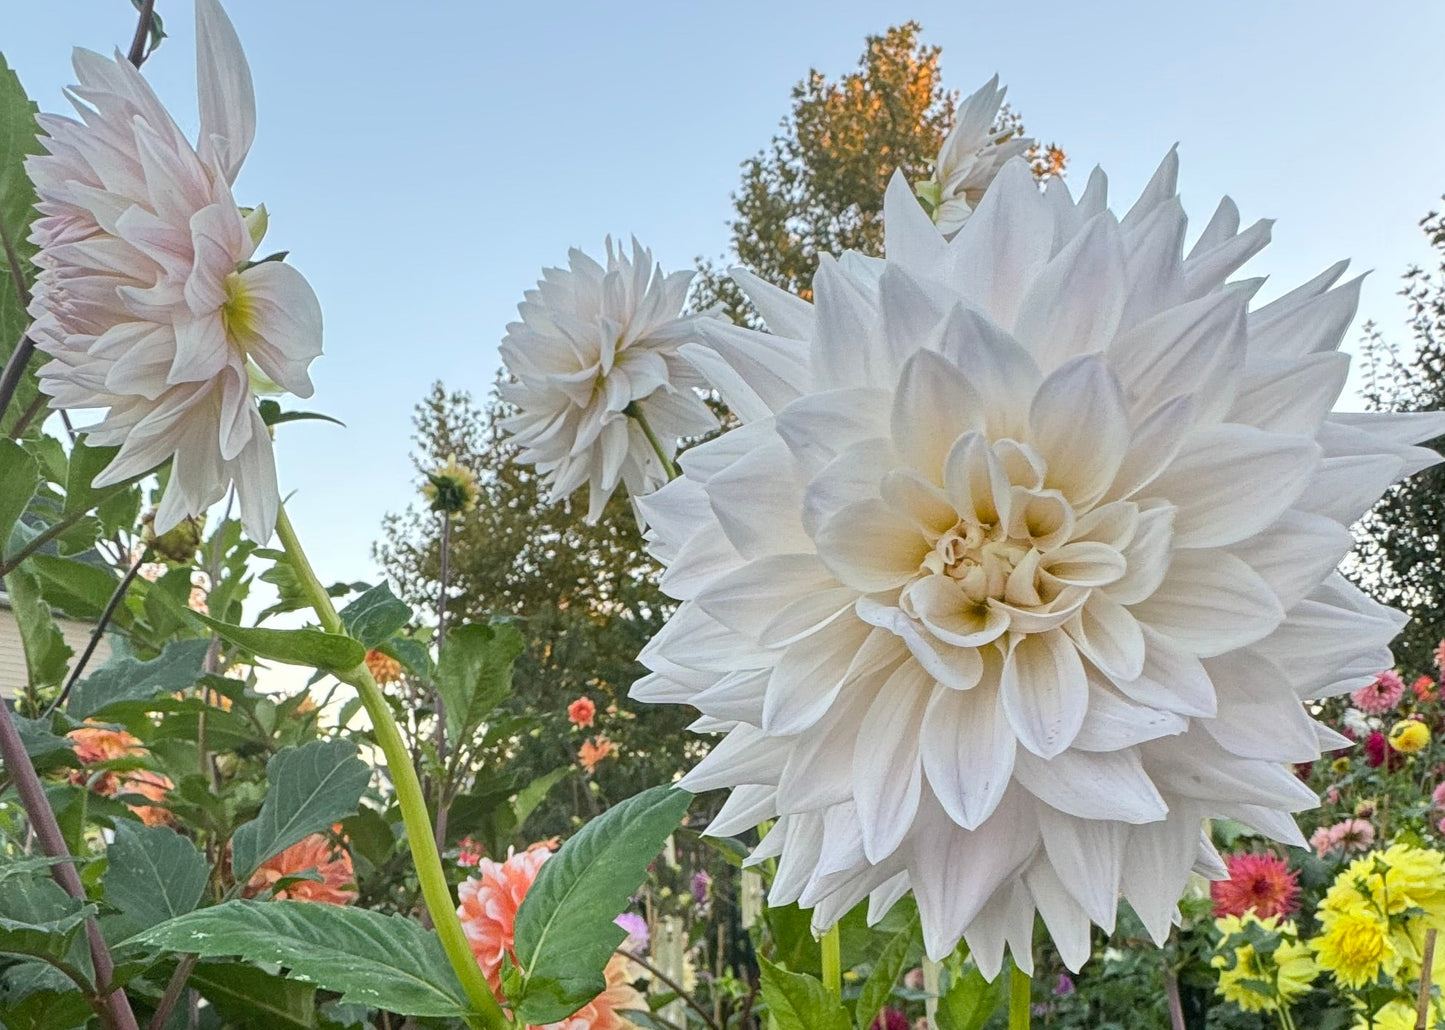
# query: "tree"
1401, 553
587, 595
818, 187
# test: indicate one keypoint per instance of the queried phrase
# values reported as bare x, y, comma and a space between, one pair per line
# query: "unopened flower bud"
177, 545
451, 488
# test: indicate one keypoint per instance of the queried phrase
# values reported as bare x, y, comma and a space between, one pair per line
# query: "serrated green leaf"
534, 793
878, 988
86, 462
153, 873
798, 1002
307, 789
313, 648
248, 998
38, 918
74, 587
564, 928
374, 616
39, 738
47, 655
474, 673
388, 962
970, 1000
125, 678
19, 476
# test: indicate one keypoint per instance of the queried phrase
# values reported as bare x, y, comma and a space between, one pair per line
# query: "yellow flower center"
1360, 943
238, 313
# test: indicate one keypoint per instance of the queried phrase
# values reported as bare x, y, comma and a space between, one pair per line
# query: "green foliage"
19, 478
970, 1000
474, 673
77, 588
252, 999
388, 962
47, 655
1402, 540
310, 647
38, 918
878, 988
126, 678
153, 874
307, 789
799, 1002
17, 198
374, 616
564, 930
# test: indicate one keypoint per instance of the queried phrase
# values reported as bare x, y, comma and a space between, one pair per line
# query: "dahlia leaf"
129, 679
878, 988
86, 462
564, 929
47, 655
474, 672
309, 647
374, 616
19, 478
307, 789
38, 918
153, 873
75, 587
384, 961
969, 1001
799, 1002
245, 996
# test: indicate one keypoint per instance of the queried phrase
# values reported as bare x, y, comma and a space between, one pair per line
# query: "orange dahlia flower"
316, 853
96, 744
591, 753
384, 668
581, 712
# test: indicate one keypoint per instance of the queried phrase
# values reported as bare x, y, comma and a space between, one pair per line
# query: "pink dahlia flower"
1258, 883
1382, 695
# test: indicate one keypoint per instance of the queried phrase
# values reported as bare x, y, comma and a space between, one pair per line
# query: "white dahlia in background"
1022, 563
147, 301
596, 354
971, 155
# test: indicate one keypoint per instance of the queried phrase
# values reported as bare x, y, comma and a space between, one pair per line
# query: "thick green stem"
409, 798
668, 465
833, 961
1020, 999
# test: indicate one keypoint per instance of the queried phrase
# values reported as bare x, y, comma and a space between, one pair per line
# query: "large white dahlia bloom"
1023, 563
147, 300
971, 155
594, 356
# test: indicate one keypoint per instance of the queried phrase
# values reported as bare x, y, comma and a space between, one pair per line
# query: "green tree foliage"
1401, 555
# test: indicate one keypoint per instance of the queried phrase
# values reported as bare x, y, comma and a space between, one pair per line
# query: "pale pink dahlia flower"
147, 300
1022, 563
1380, 695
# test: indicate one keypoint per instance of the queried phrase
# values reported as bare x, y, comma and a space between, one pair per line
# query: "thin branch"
137, 53
1427, 961
173, 991
117, 595
671, 985
23, 422
52, 842
438, 702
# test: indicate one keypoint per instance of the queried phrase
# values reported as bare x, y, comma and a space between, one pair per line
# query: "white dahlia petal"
1022, 566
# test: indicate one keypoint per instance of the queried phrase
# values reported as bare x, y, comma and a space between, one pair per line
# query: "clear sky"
423, 160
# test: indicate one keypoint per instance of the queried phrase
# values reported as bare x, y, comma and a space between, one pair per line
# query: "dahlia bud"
257, 221
451, 488
177, 545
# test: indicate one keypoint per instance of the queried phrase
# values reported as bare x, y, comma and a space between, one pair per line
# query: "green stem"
1020, 999
833, 961
634, 411
409, 797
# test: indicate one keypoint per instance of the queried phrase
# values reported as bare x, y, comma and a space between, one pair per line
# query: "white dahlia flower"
147, 301
595, 365
1022, 563
971, 155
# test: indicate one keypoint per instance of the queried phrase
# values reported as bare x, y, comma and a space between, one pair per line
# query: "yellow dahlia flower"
1355, 946
1399, 1014
1260, 981
1410, 737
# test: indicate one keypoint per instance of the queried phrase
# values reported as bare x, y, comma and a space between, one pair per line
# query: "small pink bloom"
1353, 834
913, 979
1440, 656
1320, 841
1438, 796
1380, 696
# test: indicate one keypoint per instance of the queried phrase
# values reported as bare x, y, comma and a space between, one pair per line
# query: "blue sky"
422, 161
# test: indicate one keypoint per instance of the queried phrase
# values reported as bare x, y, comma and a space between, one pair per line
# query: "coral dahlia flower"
317, 854
95, 744
581, 712
593, 751
147, 301
1022, 562
1261, 883
597, 344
